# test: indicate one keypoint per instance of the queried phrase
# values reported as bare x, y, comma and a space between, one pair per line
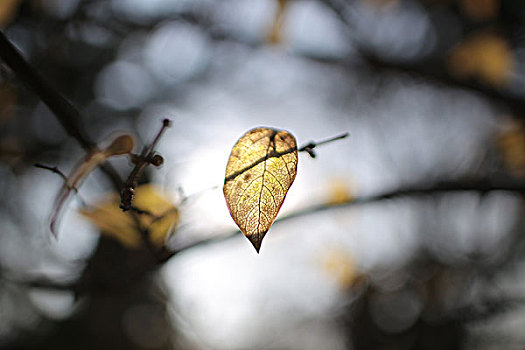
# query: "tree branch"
481, 186
429, 70
67, 115
65, 112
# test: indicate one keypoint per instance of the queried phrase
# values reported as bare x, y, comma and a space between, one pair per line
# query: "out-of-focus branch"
515, 104
67, 115
437, 73
479, 186
65, 112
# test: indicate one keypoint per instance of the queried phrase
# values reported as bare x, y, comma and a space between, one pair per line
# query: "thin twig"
57, 171
127, 193
312, 144
53, 169
274, 154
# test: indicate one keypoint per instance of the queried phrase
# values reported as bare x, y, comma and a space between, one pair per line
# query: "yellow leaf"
511, 142
160, 217
261, 168
341, 266
8, 10
484, 56
339, 192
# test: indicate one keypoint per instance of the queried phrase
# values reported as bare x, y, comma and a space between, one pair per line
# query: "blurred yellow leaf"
275, 35
511, 143
480, 10
160, 217
261, 168
8, 9
339, 192
484, 56
340, 266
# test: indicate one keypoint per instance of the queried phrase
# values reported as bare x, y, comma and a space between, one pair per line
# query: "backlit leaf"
160, 218
261, 168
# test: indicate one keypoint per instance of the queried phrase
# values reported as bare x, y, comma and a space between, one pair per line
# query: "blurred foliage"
341, 266
8, 9
511, 142
158, 218
483, 56
339, 191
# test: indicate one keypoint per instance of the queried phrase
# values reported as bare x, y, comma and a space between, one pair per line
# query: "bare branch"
57, 171
53, 169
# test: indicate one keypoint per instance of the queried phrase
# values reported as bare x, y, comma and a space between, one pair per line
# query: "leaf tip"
256, 241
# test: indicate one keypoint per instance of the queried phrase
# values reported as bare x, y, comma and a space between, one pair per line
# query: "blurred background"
408, 234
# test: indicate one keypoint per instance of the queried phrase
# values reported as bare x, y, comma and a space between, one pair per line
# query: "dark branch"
67, 115
57, 171
480, 186
53, 169
65, 112
144, 159
428, 70
309, 148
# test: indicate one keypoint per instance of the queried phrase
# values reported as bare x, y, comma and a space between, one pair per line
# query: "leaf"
484, 56
8, 9
261, 168
340, 265
339, 191
511, 144
121, 145
160, 218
